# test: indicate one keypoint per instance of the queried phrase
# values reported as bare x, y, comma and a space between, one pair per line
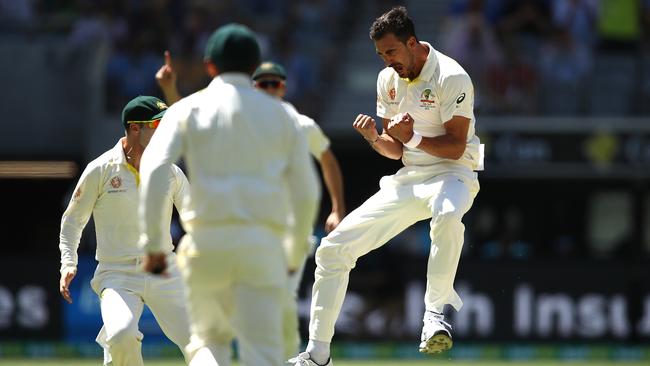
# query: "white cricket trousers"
403, 199
124, 289
290, 321
235, 279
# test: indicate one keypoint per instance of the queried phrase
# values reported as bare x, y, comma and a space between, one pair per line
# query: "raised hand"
166, 76
367, 127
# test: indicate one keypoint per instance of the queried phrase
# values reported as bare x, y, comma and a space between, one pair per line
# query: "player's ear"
411, 42
210, 68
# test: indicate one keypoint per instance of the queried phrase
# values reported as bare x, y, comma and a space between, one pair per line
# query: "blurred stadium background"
555, 266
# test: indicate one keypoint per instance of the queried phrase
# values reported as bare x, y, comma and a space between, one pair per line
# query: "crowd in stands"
561, 57
299, 34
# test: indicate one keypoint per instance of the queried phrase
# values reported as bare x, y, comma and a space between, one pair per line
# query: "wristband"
414, 141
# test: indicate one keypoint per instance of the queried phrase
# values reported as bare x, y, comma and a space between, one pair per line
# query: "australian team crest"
391, 93
161, 105
426, 99
116, 182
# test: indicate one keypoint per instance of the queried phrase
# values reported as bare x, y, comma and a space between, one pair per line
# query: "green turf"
77, 362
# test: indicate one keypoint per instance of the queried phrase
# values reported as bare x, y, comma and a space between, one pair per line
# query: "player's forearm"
387, 146
333, 181
171, 94
305, 210
304, 197
72, 225
155, 184
444, 146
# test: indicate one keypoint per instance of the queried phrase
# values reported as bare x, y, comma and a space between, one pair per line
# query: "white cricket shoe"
304, 359
436, 334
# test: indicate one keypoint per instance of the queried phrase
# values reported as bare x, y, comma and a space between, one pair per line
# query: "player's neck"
132, 151
421, 55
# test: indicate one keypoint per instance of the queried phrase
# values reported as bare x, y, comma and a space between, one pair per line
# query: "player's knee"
330, 256
447, 217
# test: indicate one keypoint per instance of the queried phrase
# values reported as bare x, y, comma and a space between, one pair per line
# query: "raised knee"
331, 256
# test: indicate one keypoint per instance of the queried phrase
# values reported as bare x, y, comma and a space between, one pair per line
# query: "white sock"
319, 351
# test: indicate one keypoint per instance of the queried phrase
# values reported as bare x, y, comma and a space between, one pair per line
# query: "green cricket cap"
143, 108
270, 68
233, 47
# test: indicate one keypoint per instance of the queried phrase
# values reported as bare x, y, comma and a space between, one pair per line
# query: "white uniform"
426, 187
317, 143
108, 190
249, 169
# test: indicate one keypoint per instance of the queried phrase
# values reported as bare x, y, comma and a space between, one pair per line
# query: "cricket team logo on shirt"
426, 99
391, 93
77, 194
116, 182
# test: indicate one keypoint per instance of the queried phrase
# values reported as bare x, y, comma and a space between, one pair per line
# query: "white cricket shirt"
317, 142
246, 159
442, 90
108, 190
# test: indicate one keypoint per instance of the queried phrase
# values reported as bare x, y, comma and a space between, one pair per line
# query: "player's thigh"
121, 310
377, 220
166, 299
453, 195
207, 279
258, 319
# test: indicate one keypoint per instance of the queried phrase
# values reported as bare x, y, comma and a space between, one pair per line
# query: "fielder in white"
108, 190
250, 170
270, 77
426, 102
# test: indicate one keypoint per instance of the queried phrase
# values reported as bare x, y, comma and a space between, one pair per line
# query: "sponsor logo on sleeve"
460, 98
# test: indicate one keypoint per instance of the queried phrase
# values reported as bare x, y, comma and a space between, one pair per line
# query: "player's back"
238, 145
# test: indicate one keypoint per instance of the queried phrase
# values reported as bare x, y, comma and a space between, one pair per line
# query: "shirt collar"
234, 78
117, 153
429, 65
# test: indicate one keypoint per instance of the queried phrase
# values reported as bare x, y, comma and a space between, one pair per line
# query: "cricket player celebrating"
250, 170
270, 77
426, 102
108, 190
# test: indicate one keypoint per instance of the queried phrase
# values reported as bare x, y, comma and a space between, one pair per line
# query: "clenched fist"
400, 127
366, 126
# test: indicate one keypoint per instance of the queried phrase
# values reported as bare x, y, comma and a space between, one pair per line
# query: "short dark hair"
396, 21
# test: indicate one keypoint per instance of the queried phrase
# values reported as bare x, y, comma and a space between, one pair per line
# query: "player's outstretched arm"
166, 78
74, 220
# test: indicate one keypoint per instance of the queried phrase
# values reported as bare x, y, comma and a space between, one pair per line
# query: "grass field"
77, 362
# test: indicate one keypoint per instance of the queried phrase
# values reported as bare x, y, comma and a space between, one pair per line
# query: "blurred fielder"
108, 190
250, 169
426, 102
271, 78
